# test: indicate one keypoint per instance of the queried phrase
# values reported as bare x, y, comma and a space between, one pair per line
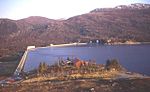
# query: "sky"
56, 9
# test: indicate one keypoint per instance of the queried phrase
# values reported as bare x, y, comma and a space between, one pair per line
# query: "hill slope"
120, 23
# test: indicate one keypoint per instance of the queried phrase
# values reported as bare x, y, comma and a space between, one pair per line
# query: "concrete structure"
22, 61
30, 47
70, 44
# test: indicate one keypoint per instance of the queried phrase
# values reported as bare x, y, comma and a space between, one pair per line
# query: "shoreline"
82, 44
128, 43
85, 44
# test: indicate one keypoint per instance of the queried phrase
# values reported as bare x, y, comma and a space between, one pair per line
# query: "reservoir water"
135, 58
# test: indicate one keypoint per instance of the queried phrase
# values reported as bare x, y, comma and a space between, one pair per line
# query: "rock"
92, 90
114, 84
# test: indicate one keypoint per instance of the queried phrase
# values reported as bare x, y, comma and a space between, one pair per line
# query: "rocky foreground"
82, 85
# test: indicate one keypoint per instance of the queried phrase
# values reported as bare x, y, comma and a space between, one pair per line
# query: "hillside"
120, 24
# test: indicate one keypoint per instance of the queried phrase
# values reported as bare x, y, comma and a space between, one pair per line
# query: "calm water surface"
135, 58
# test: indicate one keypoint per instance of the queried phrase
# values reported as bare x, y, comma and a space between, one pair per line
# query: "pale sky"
56, 9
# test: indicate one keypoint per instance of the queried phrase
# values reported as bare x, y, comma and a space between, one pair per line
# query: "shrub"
113, 64
42, 67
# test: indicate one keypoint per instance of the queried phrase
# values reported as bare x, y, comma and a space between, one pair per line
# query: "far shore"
85, 44
82, 44
127, 43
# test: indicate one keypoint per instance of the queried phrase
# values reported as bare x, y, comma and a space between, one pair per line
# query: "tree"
42, 67
113, 64
45, 66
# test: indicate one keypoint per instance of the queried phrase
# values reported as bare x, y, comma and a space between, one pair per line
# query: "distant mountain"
121, 23
134, 6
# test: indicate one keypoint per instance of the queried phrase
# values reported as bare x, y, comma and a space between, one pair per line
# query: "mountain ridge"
116, 24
